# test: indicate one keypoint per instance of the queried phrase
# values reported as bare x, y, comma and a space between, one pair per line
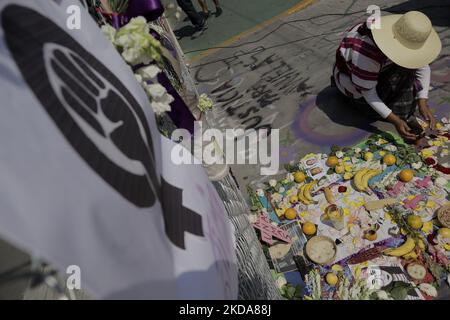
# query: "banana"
357, 179
307, 191
410, 256
421, 244
367, 176
405, 248
301, 196
329, 195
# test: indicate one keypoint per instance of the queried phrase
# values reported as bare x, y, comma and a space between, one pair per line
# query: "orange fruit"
415, 222
406, 175
309, 228
331, 279
290, 214
389, 159
332, 161
299, 177
371, 235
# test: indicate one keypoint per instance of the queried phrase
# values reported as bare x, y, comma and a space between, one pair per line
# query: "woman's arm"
376, 103
382, 109
423, 75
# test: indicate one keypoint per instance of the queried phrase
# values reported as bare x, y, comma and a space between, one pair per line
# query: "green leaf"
399, 293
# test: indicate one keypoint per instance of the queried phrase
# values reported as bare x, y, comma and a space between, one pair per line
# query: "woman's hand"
426, 113
402, 127
405, 131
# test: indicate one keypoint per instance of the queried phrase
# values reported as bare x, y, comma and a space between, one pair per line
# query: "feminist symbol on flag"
96, 113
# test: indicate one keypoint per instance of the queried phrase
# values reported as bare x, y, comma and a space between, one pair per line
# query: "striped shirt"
358, 64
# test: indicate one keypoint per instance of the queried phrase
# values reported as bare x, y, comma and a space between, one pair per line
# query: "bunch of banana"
329, 195
362, 178
304, 193
404, 249
411, 255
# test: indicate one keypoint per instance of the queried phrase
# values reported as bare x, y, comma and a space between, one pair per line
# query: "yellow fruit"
332, 161
293, 199
348, 176
389, 159
368, 156
348, 168
405, 248
371, 235
331, 279
410, 256
337, 268
299, 177
406, 175
444, 232
415, 222
290, 214
329, 195
309, 228
339, 169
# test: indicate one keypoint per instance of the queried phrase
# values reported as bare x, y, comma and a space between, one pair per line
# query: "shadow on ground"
338, 110
437, 11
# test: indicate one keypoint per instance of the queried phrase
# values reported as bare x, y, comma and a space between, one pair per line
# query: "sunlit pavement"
279, 77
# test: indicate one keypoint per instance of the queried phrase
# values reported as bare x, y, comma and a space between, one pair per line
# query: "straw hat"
409, 40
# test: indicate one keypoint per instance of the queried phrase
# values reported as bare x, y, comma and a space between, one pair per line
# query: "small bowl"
444, 211
312, 244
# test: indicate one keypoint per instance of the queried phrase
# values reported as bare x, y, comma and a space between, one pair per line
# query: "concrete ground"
237, 19
279, 77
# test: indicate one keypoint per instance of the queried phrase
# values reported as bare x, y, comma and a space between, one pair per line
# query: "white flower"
149, 72
138, 24
272, 182
156, 91
160, 99
390, 147
428, 289
440, 182
276, 197
357, 150
260, 192
281, 190
382, 295
355, 230
159, 107
205, 103
135, 56
416, 165
138, 77
290, 177
339, 154
109, 32
252, 218
281, 281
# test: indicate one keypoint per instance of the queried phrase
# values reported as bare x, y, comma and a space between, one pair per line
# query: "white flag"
85, 177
